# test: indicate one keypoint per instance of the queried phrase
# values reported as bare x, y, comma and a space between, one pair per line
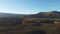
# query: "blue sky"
28, 6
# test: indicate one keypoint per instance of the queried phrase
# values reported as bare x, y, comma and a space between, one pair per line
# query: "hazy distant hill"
50, 14
11, 15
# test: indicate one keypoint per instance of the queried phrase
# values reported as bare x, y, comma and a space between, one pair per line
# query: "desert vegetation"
35, 26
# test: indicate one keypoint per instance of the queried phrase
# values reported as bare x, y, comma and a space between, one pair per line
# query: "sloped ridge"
50, 14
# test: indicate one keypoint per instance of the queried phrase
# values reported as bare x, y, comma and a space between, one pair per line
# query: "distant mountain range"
50, 14
11, 15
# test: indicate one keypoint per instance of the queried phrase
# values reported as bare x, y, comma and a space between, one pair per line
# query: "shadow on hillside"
36, 32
